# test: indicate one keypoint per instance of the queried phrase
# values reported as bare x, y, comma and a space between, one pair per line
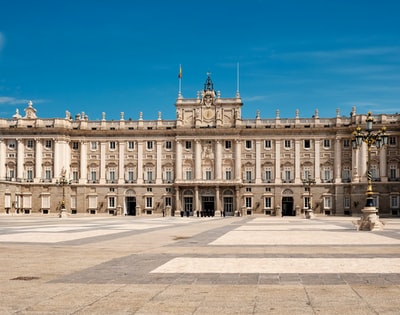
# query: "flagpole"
180, 81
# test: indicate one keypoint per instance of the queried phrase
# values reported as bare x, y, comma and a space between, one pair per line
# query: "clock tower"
208, 110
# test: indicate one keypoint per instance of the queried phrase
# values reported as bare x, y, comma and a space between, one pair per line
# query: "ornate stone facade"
209, 161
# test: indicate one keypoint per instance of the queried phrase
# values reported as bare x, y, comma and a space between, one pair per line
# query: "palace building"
209, 161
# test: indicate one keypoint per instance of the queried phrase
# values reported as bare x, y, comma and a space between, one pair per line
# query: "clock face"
208, 113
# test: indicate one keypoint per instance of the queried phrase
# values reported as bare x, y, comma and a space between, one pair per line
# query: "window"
93, 175
248, 175
131, 145
287, 174
228, 144
287, 144
188, 145
75, 145
346, 202
111, 175
392, 140
149, 175
248, 189
248, 202
29, 144
248, 144
393, 172
307, 143
327, 143
268, 202
47, 174
75, 176
45, 201
327, 202
307, 173
346, 173
92, 202
111, 202
228, 174
188, 174
29, 175
267, 144
93, 145
131, 175
168, 175
11, 144
168, 201
374, 172
394, 202
47, 144
208, 174
327, 174
149, 145
112, 145
168, 145
268, 174
346, 143
149, 189
149, 202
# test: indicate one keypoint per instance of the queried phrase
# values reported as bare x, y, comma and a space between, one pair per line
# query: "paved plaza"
190, 265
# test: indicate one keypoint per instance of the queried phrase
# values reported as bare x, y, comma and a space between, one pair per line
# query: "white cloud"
8, 100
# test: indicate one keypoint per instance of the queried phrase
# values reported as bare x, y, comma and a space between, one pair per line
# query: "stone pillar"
238, 160
338, 161
3, 168
278, 172
297, 178
258, 161
178, 159
317, 160
20, 159
217, 201
355, 176
363, 155
383, 164
102, 162
83, 163
158, 163
56, 160
197, 160
218, 160
121, 166
140, 162
38, 160
178, 205
197, 203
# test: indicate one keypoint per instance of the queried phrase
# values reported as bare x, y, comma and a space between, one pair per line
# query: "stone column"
197, 160
297, 178
278, 172
258, 161
218, 160
383, 164
38, 160
56, 160
121, 166
3, 168
20, 159
158, 163
355, 176
140, 162
317, 160
338, 161
178, 166
238, 160
363, 155
102, 162
83, 163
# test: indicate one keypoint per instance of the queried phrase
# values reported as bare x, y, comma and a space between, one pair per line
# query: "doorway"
287, 206
130, 205
208, 206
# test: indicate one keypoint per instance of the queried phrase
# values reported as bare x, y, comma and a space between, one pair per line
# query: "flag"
180, 72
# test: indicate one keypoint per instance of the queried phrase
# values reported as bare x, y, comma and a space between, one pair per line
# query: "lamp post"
307, 183
369, 220
63, 182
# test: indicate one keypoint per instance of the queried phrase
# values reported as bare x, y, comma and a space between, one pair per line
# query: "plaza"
197, 265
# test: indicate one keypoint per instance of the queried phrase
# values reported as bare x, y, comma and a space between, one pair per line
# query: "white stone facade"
209, 161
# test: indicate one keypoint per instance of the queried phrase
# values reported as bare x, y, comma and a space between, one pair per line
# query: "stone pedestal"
63, 213
369, 220
309, 214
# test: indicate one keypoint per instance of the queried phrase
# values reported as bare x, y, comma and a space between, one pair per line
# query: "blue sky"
123, 56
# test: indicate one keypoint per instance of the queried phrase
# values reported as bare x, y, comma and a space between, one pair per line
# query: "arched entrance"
130, 202
288, 203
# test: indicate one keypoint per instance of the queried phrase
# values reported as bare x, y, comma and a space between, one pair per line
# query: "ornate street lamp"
369, 220
307, 183
63, 182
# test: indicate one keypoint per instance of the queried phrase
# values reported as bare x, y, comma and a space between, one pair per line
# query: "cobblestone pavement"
174, 265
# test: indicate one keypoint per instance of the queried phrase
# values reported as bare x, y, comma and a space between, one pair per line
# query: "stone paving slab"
173, 265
